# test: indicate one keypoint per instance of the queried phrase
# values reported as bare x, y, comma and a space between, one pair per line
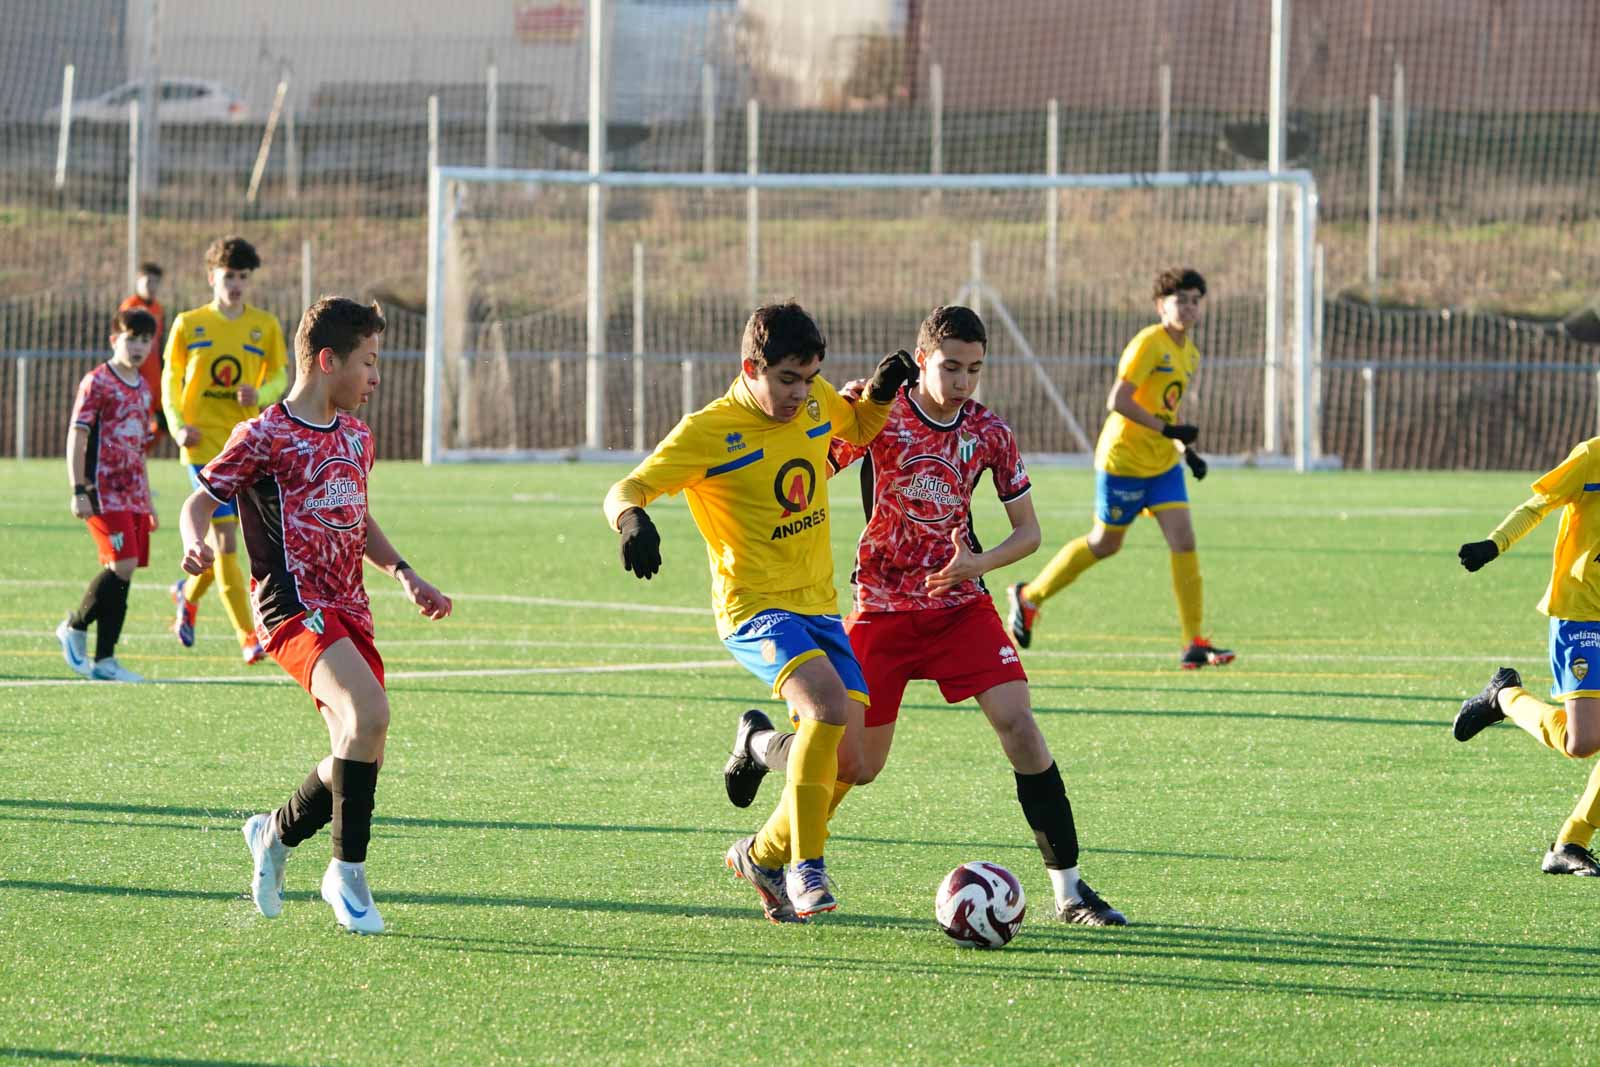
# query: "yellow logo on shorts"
769, 651
1116, 513
1580, 667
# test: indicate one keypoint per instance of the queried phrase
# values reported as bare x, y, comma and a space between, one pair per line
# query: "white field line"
228, 640
505, 672
492, 598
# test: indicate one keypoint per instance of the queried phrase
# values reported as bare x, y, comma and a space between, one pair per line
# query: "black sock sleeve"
1044, 803
355, 785
307, 811
776, 756
89, 608
112, 610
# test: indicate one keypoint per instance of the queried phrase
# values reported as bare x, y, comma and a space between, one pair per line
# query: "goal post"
518, 269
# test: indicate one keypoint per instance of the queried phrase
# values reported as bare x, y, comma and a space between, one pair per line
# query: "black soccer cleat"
1089, 910
1202, 653
1480, 712
1570, 859
742, 774
1020, 615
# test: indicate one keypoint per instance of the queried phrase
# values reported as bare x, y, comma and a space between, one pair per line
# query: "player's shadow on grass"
1052, 953
122, 1058
419, 822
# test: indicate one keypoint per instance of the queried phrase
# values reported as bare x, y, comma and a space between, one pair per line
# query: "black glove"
1474, 554
894, 370
1197, 466
641, 544
1181, 432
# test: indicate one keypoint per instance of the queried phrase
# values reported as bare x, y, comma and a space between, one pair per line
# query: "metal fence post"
491, 117
1164, 139
1052, 198
1369, 417
65, 135
1374, 177
638, 346
1398, 142
133, 192
22, 407
752, 201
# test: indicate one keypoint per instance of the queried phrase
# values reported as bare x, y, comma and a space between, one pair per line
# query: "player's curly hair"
777, 332
335, 322
232, 253
1172, 279
137, 321
951, 322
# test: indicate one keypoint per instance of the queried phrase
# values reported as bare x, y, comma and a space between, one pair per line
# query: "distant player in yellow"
753, 466
1137, 469
225, 361
1571, 726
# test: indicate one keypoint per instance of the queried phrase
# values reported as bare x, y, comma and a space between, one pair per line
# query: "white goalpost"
558, 331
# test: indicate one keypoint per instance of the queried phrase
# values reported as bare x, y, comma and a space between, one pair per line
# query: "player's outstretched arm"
193, 521
1474, 555
430, 602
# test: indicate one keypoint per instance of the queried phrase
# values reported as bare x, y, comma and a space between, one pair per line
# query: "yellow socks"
1546, 722
1060, 572
771, 847
1186, 587
235, 595
1579, 829
196, 586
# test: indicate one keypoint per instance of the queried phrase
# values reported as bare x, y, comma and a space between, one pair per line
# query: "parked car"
182, 100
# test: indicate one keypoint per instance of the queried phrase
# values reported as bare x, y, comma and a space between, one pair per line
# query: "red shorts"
121, 535
298, 643
964, 649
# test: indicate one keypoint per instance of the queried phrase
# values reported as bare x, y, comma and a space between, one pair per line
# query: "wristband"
402, 565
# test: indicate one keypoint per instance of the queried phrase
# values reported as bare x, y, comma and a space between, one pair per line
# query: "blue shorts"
1574, 655
775, 642
1118, 500
230, 510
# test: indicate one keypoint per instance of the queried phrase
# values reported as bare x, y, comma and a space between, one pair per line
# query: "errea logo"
735, 442
1008, 655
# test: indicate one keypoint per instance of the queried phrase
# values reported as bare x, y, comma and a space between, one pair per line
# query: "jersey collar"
929, 421
319, 427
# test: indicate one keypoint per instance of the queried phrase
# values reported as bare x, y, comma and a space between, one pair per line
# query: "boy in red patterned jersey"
921, 608
105, 460
299, 472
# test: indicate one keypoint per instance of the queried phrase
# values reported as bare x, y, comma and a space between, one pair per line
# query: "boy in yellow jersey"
1137, 469
1572, 725
754, 468
225, 361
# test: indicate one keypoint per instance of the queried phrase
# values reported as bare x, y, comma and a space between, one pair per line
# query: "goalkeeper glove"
894, 370
1181, 432
1474, 554
641, 544
1197, 466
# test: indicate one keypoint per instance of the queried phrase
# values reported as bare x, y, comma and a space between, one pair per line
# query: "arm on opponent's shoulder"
857, 421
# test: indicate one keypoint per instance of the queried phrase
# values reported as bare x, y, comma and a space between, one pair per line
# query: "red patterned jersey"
302, 493
117, 416
917, 478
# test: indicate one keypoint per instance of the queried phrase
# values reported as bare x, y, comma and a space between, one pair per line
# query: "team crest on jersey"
118, 538
966, 446
1580, 668
313, 622
340, 501
813, 409
255, 333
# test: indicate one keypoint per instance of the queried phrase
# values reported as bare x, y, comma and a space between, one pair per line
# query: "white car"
182, 100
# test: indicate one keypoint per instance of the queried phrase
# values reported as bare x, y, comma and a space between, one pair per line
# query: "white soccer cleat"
344, 887
269, 855
74, 647
109, 670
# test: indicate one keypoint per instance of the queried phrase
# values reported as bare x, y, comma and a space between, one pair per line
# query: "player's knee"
124, 568
857, 766
1582, 746
1106, 546
369, 711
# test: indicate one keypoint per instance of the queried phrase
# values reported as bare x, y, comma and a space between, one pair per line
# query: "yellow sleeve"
274, 369
175, 361
857, 423
1554, 489
678, 462
1138, 360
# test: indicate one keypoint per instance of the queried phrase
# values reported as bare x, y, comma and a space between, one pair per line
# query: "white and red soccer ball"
980, 905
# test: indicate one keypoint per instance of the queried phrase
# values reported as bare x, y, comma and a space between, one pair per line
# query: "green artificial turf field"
1315, 871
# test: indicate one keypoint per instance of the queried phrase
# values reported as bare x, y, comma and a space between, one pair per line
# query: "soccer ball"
980, 905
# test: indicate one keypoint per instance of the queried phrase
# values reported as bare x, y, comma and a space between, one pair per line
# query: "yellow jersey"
1160, 369
209, 356
758, 491
1574, 486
